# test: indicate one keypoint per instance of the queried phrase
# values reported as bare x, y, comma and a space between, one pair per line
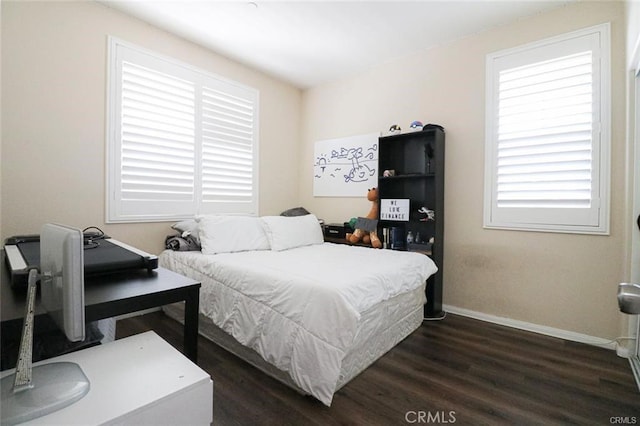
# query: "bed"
311, 314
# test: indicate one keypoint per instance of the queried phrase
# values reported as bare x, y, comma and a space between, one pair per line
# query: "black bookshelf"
414, 163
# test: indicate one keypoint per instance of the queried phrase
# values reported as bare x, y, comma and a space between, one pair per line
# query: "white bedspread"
299, 308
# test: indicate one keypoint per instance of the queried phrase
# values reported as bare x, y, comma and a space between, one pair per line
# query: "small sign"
391, 209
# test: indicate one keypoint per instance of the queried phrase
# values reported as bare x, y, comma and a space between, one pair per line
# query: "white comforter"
299, 308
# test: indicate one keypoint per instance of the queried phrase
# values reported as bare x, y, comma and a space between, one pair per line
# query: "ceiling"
307, 43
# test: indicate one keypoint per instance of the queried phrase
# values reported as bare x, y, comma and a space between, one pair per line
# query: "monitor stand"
33, 392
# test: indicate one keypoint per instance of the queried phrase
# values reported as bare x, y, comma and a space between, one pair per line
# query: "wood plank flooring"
457, 370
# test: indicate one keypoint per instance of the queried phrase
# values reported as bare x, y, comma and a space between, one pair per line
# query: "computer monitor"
32, 392
62, 278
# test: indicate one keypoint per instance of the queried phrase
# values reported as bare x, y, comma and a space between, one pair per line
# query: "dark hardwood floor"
457, 370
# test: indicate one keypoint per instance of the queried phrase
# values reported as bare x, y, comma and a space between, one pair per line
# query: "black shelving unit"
417, 162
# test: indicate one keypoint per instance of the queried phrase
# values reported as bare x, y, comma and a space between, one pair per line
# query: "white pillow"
289, 232
228, 234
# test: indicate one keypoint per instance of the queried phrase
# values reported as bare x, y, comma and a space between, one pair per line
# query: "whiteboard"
345, 167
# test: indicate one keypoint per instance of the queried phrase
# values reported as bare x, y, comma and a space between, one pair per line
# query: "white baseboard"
622, 351
535, 328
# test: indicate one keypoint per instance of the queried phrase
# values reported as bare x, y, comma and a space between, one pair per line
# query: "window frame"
173, 211
596, 219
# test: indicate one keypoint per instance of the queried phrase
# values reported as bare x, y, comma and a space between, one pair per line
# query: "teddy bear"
366, 228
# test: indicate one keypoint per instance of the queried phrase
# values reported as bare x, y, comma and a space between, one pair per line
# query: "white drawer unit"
140, 380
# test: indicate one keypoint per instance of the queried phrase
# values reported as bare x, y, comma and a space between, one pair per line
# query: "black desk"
106, 296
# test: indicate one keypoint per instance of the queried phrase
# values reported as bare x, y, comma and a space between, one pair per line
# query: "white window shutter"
545, 120
229, 154
158, 137
181, 142
547, 163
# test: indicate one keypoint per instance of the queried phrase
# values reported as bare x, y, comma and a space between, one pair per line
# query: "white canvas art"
345, 167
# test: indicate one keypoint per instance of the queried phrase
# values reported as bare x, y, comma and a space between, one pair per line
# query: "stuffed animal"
366, 227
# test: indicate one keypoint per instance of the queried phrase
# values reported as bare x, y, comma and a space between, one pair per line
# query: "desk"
107, 296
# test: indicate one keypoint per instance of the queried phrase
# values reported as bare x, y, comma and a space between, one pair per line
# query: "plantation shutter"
544, 136
158, 141
181, 142
228, 150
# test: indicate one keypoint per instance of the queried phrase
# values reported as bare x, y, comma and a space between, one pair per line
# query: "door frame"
634, 170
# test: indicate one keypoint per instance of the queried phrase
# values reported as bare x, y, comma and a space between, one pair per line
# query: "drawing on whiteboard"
342, 167
360, 171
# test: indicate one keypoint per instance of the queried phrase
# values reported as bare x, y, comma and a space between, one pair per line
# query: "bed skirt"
381, 328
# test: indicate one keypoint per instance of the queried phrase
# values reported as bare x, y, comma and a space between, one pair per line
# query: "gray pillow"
296, 211
188, 228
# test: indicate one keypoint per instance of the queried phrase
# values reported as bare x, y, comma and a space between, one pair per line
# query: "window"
547, 141
181, 141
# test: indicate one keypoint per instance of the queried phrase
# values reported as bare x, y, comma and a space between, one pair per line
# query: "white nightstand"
139, 380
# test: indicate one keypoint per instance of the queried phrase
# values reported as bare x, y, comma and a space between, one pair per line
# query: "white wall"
54, 63
562, 281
